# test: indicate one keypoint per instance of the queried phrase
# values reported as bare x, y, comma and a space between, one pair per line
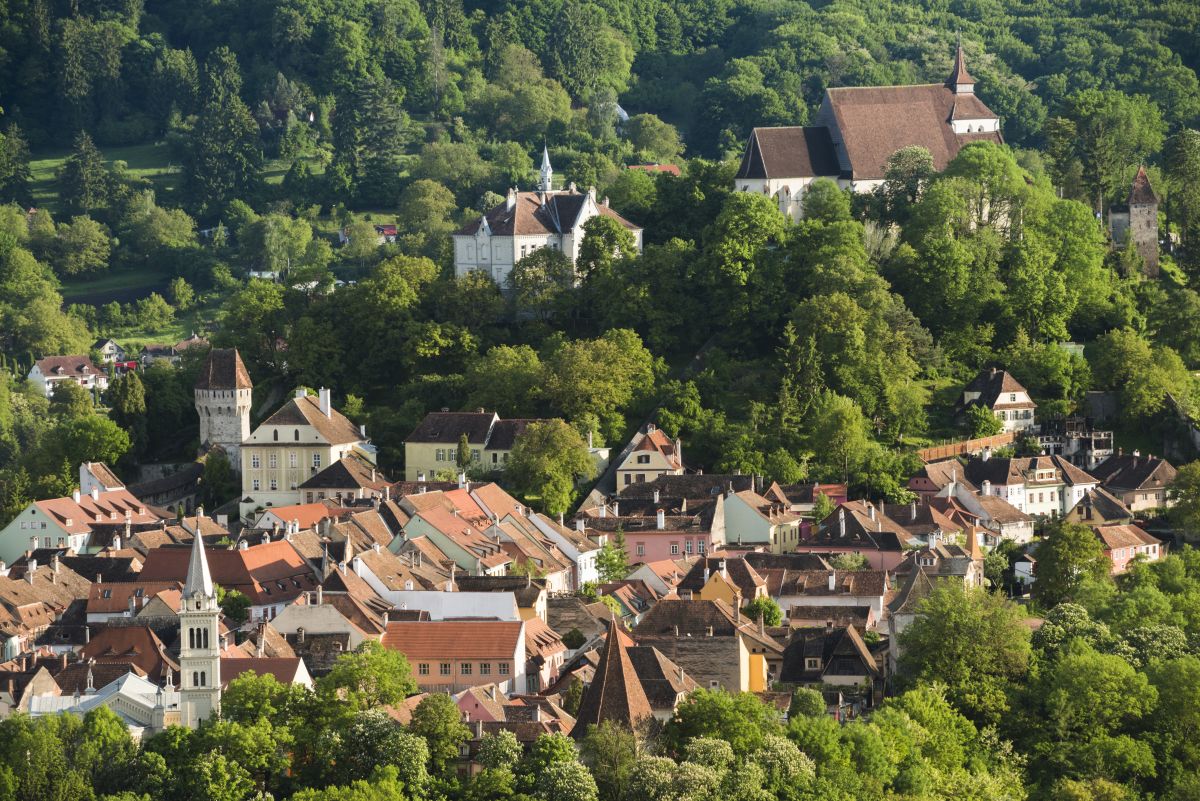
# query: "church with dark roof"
856, 131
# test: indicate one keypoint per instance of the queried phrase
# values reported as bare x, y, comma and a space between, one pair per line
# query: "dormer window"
812, 664
106, 594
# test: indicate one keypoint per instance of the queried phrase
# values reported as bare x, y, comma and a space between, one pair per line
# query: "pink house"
1124, 543
658, 528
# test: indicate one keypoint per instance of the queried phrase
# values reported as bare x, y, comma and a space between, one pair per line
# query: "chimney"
656, 496
320, 594
987, 452
132, 606
661, 520
30, 569
871, 509
243, 545
986, 487
324, 402
300, 634
737, 612
832, 580
603, 510
579, 524
511, 200
913, 510
54, 563
762, 625
301, 393
75, 495
680, 674
706, 573
95, 493
616, 509
842, 521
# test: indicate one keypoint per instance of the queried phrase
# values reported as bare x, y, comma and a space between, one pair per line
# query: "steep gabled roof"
529, 216
449, 427
336, 429
223, 369
1127, 472
1141, 191
789, 152
616, 692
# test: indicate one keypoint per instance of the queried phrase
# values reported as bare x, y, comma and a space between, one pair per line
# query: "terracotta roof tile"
223, 369
455, 639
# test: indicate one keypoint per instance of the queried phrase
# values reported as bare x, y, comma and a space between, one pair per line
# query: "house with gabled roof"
836, 656
1140, 482
1099, 507
349, 479
1123, 543
291, 446
451, 655
432, 447
458, 528
1043, 486
860, 527
651, 454
528, 221
1002, 394
857, 130
50, 371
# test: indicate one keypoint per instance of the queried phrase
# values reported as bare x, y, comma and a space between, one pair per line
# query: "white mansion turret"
528, 221
223, 391
199, 642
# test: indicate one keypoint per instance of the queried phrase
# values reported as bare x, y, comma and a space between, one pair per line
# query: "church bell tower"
200, 646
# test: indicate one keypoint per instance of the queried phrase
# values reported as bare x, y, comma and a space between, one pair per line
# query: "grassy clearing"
119, 285
152, 161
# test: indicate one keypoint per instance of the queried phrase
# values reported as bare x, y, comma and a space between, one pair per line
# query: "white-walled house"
528, 221
997, 391
49, 372
1043, 486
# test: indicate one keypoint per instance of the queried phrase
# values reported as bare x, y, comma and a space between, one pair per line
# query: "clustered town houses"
109, 595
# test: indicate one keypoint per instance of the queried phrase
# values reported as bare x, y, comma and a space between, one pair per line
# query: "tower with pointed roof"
223, 395
1137, 221
200, 645
616, 693
960, 81
546, 174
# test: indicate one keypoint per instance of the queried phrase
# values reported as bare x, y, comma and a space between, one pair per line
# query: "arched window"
191, 638
195, 678
203, 679
297, 435
275, 434
204, 634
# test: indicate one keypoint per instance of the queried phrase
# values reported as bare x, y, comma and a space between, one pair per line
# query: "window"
316, 460
423, 669
440, 455
687, 546
254, 484
273, 461
495, 458
291, 460
524, 250
275, 435
699, 546
274, 485
503, 669
485, 668
674, 548
1012, 398
643, 458
296, 435
812, 664
628, 479
641, 549
714, 685
255, 461
106, 594
465, 669
474, 456
444, 669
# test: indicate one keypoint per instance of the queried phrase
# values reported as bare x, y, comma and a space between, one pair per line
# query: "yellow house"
720, 588
432, 447
292, 445
652, 454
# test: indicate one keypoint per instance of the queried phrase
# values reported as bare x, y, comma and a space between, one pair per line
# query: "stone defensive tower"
223, 391
1138, 221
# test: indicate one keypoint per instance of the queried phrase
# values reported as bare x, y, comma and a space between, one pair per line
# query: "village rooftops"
270, 573
455, 639
738, 571
1030, 470
449, 427
615, 693
691, 486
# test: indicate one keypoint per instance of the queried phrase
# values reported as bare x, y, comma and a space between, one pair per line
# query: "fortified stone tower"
1138, 221
223, 391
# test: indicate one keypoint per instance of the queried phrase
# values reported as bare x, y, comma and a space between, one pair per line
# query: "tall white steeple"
547, 172
200, 645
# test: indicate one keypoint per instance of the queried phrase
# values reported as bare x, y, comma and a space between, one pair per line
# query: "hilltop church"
858, 129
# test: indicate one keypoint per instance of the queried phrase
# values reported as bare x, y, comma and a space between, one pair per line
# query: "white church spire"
199, 579
547, 172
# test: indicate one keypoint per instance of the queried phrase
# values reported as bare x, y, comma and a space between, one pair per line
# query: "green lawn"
119, 285
150, 161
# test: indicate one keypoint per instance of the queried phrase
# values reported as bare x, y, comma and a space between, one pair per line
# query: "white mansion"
858, 129
526, 221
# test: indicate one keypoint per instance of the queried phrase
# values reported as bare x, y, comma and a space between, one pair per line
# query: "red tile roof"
270, 573
456, 639
284, 669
